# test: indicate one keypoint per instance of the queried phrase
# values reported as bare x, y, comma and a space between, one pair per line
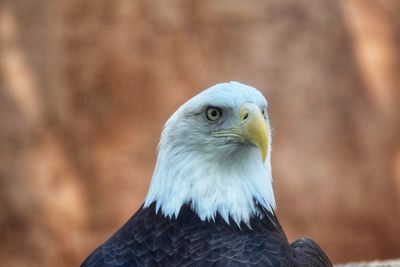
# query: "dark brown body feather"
151, 239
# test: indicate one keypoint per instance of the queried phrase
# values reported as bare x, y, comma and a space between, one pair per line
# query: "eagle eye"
263, 112
213, 113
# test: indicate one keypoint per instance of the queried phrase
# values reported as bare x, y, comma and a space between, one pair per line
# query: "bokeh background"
85, 87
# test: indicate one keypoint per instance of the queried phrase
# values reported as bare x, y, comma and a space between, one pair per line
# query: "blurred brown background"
85, 87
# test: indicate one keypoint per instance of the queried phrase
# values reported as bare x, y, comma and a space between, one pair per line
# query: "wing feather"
308, 253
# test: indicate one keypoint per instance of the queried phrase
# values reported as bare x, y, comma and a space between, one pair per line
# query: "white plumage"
213, 174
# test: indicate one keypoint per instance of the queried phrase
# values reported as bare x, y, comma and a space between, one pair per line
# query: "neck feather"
232, 187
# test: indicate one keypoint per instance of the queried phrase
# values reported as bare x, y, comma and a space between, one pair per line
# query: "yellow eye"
213, 114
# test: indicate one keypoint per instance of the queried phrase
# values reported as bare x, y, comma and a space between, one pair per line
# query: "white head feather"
213, 174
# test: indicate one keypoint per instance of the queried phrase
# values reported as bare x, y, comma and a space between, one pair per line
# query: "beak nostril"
245, 116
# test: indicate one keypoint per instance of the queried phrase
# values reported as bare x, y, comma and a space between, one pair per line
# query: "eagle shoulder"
308, 253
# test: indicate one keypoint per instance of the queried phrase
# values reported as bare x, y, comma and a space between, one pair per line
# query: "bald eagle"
210, 201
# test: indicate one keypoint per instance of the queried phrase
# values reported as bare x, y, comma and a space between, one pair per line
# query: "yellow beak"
252, 128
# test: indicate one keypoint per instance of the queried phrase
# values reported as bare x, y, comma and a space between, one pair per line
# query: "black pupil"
214, 113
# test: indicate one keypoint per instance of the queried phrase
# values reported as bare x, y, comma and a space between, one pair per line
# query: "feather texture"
151, 239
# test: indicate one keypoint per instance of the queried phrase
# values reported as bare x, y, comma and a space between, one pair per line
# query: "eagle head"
214, 154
